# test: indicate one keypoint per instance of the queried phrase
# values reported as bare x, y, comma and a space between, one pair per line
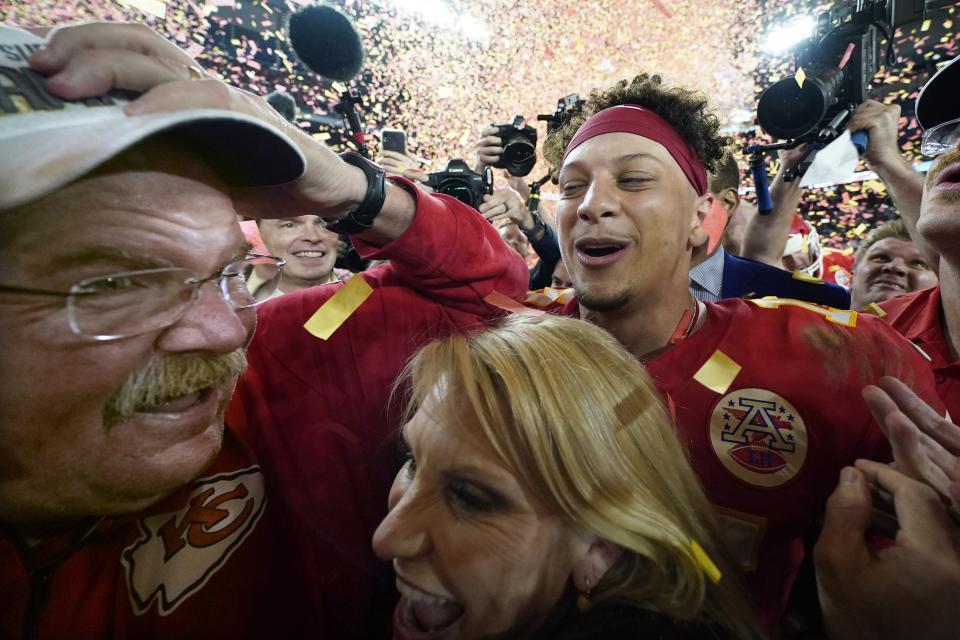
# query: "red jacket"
210, 561
317, 412
769, 440
292, 556
918, 317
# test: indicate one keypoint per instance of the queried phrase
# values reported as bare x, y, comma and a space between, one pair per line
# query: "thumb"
841, 549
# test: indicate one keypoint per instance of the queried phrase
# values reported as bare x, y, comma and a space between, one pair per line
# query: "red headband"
631, 118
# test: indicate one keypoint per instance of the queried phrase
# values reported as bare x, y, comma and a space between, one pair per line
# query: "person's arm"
487, 149
925, 444
91, 59
909, 590
766, 236
449, 255
452, 248
548, 248
881, 122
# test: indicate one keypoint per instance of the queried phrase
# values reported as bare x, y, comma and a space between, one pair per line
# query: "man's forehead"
894, 244
620, 147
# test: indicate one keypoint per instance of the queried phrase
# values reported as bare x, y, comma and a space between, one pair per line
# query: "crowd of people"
667, 423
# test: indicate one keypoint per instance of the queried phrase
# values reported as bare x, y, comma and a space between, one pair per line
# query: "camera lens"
459, 190
787, 110
519, 156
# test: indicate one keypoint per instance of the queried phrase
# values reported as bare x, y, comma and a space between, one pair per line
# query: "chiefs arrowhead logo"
178, 552
758, 436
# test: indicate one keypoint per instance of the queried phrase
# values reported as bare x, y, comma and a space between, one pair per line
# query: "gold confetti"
718, 372
800, 77
874, 309
706, 564
798, 275
341, 305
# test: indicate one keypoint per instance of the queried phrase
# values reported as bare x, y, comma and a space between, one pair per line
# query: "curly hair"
687, 111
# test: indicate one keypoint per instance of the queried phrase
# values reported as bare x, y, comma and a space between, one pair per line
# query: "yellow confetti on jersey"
718, 372
341, 305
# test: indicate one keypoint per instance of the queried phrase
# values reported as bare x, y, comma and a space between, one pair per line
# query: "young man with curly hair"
766, 393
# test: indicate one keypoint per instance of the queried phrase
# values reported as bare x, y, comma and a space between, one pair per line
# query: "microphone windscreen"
283, 103
324, 39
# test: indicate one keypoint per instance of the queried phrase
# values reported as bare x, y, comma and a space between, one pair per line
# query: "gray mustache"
166, 377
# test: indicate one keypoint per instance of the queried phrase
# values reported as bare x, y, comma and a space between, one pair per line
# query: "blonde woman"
547, 496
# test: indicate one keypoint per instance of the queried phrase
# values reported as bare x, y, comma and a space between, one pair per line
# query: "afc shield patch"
178, 552
759, 437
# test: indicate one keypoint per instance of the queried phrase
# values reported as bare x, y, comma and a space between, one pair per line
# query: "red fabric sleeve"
451, 255
317, 413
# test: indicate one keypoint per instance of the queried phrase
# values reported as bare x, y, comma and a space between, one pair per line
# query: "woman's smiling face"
476, 555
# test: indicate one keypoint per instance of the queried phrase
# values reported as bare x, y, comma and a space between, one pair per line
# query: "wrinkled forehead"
181, 218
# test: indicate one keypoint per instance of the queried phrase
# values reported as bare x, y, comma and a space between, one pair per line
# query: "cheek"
505, 571
924, 279
248, 317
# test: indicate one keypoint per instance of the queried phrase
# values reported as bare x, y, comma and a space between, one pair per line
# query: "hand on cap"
506, 206
906, 591
488, 149
926, 446
91, 59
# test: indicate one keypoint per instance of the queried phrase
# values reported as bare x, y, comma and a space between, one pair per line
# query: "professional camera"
839, 62
519, 144
567, 107
459, 181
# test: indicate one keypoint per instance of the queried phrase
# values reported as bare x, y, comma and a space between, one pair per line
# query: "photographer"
508, 207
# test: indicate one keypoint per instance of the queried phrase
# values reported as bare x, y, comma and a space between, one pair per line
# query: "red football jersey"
211, 561
766, 397
917, 316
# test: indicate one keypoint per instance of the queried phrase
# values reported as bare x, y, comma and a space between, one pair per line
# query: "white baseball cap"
47, 142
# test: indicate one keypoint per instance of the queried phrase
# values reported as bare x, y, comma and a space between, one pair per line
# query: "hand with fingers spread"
488, 149
926, 445
505, 206
906, 591
91, 59
405, 166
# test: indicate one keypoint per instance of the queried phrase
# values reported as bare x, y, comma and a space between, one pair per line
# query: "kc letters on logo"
178, 552
759, 437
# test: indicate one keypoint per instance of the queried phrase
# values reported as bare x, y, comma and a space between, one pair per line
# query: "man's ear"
730, 199
598, 558
698, 234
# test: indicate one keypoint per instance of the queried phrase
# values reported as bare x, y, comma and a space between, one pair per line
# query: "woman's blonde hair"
577, 419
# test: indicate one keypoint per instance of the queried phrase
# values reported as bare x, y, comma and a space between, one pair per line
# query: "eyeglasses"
941, 138
132, 303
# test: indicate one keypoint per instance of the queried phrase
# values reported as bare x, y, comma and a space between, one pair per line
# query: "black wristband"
538, 225
361, 218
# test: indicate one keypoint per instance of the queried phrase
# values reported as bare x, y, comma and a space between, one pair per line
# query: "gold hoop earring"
583, 600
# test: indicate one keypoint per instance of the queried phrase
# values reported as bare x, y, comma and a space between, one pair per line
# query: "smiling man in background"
888, 264
308, 248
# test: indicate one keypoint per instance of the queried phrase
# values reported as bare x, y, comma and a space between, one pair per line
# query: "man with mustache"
128, 509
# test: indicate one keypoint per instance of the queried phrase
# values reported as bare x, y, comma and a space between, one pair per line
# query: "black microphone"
284, 104
325, 40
